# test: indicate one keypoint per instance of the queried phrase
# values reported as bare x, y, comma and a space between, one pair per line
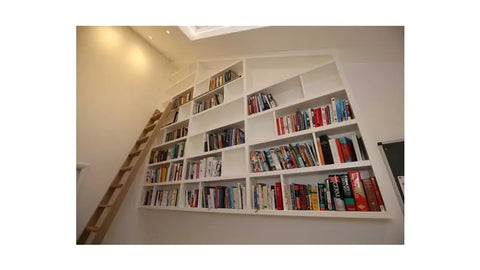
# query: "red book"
361, 203
195, 200
340, 152
278, 126
282, 122
370, 193
319, 117
278, 194
377, 193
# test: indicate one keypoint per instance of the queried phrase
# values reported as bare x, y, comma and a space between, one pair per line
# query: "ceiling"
357, 43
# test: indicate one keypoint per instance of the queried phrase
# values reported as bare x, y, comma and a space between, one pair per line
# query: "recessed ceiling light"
150, 37
168, 32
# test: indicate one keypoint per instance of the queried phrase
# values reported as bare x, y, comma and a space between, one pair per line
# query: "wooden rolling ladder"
108, 207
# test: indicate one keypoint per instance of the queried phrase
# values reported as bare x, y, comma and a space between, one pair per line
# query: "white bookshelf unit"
296, 83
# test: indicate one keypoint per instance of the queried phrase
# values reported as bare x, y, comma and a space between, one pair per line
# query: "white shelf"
322, 168
175, 124
213, 152
172, 142
212, 109
286, 78
218, 71
165, 162
169, 183
290, 213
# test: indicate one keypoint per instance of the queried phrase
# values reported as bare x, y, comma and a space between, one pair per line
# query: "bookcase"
251, 136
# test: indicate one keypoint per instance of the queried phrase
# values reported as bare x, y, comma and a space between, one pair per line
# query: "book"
336, 194
326, 150
278, 196
321, 196
333, 147
346, 190
361, 203
370, 194
363, 150
320, 152
314, 198
377, 193
340, 150
329, 205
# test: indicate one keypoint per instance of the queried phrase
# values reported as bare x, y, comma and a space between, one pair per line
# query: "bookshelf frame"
306, 67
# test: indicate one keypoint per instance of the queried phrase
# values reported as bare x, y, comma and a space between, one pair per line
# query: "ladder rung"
136, 153
105, 205
156, 116
124, 169
92, 228
116, 186
142, 140
150, 127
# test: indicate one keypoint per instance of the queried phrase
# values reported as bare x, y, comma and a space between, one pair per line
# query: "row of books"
338, 110
267, 197
207, 103
284, 157
260, 102
175, 151
232, 197
184, 98
341, 149
167, 173
205, 167
342, 192
162, 197
191, 198
297, 121
176, 134
222, 79
226, 138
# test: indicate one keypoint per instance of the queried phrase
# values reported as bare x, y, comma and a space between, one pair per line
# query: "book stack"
338, 110
191, 198
260, 102
267, 197
340, 192
205, 167
165, 173
166, 197
284, 157
208, 103
176, 134
176, 151
301, 197
294, 122
222, 79
229, 137
180, 100
232, 197
147, 197
341, 149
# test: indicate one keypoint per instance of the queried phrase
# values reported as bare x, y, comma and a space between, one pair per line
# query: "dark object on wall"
393, 153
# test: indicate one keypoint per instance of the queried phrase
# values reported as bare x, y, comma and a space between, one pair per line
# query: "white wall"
375, 74
120, 79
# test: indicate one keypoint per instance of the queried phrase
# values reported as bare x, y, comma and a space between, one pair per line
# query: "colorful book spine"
361, 203
337, 196
378, 194
347, 193
370, 194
